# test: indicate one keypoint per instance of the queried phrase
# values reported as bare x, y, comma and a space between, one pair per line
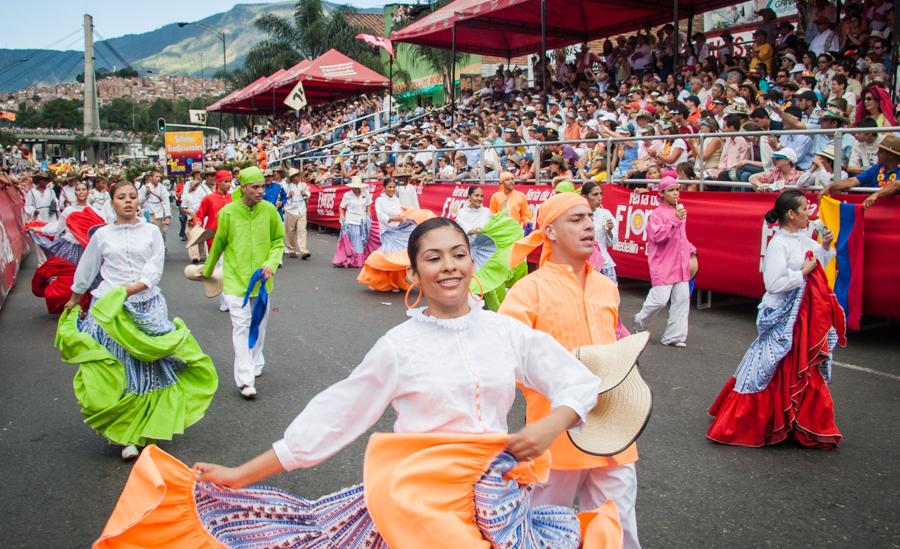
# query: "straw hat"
356, 182
891, 144
213, 285
198, 234
625, 402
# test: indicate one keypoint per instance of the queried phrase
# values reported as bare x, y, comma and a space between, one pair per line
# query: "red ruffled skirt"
796, 403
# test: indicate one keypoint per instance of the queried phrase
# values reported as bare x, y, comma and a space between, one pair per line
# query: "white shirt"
605, 237
408, 195
122, 254
60, 227
387, 207
155, 198
355, 207
190, 200
825, 42
440, 376
472, 218
40, 202
296, 197
783, 263
864, 155
818, 178
67, 196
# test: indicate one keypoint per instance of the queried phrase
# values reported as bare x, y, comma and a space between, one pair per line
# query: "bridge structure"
49, 145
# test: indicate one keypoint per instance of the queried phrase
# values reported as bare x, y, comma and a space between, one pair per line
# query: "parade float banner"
726, 227
183, 150
14, 243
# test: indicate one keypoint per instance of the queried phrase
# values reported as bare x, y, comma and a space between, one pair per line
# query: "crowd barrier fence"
727, 228
14, 243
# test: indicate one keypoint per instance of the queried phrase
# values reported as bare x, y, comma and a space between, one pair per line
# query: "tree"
440, 61
311, 33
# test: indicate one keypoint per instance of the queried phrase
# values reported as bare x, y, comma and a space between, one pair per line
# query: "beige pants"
295, 233
163, 228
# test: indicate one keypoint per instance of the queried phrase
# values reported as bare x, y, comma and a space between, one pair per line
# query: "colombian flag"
845, 271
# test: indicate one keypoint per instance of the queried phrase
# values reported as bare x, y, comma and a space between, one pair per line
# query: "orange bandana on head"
547, 214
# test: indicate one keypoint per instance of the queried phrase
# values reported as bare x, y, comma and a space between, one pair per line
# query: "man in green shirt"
250, 234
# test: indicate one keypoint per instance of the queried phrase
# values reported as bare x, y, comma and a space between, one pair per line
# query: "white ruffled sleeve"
777, 275
554, 372
152, 271
341, 413
88, 265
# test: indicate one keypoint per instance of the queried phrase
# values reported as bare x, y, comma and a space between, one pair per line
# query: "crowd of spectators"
822, 72
827, 75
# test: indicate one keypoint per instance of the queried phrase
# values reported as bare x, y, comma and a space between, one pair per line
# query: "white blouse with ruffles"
122, 254
783, 264
441, 376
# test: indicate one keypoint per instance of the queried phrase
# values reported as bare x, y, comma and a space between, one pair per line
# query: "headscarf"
884, 103
547, 213
565, 187
665, 183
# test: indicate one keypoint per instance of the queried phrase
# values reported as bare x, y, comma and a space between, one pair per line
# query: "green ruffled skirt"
495, 275
108, 401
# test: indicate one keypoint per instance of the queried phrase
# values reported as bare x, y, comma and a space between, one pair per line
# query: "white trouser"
593, 487
295, 233
247, 362
677, 326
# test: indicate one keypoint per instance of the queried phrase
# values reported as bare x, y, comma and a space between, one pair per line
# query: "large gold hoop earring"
406, 297
480, 290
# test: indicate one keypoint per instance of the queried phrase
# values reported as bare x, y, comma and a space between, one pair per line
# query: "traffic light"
161, 125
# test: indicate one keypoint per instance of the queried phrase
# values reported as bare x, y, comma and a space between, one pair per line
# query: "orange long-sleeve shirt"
552, 300
515, 202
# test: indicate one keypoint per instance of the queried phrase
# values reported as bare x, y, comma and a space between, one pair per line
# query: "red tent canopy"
509, 28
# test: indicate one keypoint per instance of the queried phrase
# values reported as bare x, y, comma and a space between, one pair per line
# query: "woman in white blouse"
388, 209
356, 225
606, 231
64, 243
778, 392
473, 215
451, 368
134, 392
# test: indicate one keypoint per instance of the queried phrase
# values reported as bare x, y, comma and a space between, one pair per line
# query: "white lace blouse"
122, 254
440, 376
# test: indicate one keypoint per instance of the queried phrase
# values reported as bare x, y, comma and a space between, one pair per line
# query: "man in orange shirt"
507, 197
567, 299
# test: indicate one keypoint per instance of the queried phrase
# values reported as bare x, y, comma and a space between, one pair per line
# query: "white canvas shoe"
248, 392
130, 452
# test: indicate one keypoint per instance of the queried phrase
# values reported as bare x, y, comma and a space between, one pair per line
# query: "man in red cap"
208, 213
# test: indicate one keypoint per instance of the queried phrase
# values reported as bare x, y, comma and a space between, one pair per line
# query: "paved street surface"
60, 480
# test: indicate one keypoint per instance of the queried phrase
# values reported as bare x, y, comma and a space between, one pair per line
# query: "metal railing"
703, 182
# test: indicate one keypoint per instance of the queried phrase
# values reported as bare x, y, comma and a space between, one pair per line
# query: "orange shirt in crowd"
515, 203
552, 300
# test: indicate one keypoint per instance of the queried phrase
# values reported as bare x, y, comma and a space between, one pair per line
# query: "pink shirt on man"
668, 247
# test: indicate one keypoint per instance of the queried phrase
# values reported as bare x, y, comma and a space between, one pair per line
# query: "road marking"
866, 370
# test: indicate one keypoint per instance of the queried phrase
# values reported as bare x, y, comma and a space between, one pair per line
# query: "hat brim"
618, 419
625, 402
213, 285
197, 235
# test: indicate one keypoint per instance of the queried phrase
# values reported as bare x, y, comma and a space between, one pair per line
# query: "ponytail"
786, 202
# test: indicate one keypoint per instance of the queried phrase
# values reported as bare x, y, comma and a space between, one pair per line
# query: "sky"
57, 23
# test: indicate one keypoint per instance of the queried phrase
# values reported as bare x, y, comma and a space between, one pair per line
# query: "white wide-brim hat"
625, 401
213, 285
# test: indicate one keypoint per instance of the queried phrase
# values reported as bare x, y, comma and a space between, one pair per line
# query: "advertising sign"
183, 150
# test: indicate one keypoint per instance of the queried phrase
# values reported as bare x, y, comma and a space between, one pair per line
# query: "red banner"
14, 244
726, 227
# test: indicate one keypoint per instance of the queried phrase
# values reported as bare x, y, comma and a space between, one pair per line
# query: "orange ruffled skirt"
419, 489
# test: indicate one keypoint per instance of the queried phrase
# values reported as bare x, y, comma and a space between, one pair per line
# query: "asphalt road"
60, 480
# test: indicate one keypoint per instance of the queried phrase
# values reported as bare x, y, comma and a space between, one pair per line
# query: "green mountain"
168, 50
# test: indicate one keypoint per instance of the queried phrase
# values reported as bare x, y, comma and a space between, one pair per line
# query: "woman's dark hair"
787, 201
472, 190
587, 188
412, 248
118, 185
